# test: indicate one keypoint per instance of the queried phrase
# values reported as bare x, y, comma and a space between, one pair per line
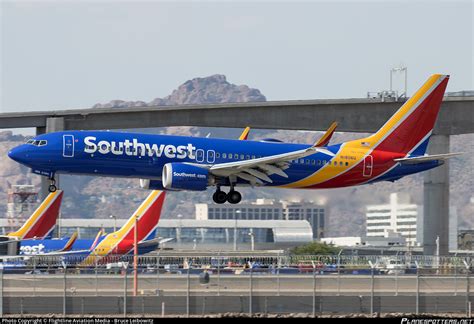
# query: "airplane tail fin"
409, 129
43, 220
96, 240
146, 217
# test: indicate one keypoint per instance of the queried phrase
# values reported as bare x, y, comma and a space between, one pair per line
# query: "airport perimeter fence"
203, 285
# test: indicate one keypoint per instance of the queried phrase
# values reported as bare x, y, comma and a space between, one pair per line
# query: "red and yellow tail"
43, 220
414, 121
146, 219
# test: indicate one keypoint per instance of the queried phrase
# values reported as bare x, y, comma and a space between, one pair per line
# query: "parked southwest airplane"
145, 218
168, 162
41, 223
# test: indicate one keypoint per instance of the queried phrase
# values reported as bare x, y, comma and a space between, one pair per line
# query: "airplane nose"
17, 154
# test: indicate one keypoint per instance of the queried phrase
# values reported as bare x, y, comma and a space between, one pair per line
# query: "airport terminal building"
267, 209
198, 234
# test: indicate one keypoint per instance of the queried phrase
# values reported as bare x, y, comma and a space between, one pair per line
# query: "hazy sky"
73, 54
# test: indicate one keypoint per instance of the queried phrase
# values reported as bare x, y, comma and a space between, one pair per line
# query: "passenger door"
68, 145
368, 166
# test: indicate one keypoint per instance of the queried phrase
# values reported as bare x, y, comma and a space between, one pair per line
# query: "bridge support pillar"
436, 201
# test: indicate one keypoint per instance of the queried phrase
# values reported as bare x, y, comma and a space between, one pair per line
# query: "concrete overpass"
353, 115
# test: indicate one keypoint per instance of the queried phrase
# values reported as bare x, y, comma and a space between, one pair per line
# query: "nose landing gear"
52, 187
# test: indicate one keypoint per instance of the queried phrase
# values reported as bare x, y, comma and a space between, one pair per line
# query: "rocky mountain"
92, 197
211, 89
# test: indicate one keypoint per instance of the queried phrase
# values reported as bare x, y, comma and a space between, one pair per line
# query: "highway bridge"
353, 115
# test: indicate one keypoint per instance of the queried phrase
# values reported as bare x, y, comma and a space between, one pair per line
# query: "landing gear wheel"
52, 187
219, 197
234, 197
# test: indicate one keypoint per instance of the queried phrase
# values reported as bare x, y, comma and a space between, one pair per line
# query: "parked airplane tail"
146, 217
43, 220
409, 129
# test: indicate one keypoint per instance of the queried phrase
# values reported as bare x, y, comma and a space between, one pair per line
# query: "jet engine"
183, 176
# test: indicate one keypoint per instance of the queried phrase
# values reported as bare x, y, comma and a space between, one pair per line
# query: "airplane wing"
427, 158
257, 170
244, 134
324, 140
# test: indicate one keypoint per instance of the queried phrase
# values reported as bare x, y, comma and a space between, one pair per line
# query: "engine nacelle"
151, 184
182, 176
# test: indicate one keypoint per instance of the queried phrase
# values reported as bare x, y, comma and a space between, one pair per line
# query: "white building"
402, 217
267, 209
399, 216
392, 239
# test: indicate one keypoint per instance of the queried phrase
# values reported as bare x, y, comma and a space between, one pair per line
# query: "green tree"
315, 248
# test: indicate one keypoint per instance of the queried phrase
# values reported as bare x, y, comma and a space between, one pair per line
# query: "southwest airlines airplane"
168, 162
120, 242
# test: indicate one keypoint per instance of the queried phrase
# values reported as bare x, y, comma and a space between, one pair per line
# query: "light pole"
399, 69
115, 221
252, 240
235, 228
135, 258
178, 234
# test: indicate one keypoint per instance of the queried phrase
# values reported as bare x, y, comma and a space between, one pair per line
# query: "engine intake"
182, 176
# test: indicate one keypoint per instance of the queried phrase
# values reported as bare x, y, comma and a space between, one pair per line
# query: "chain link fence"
200, 285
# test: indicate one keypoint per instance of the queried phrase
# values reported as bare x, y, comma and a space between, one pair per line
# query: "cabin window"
236, 156
253, 156
247, 157
241, 156
218, 155
347, 163
301, 161
313, 162
224, 155
341, 163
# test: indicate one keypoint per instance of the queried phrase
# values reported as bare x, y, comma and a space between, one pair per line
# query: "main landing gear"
52, 187
220, 197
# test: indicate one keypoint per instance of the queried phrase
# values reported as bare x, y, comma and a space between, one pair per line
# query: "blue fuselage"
122, 154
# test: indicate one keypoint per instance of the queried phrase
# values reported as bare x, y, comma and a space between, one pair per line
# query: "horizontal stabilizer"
155, 241
426, 158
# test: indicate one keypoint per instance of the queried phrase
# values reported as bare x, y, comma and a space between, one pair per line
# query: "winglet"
70, 243
244, 134
96, 240
43, 219
324, 140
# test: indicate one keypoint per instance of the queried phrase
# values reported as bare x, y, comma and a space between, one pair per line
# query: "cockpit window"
37, 142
